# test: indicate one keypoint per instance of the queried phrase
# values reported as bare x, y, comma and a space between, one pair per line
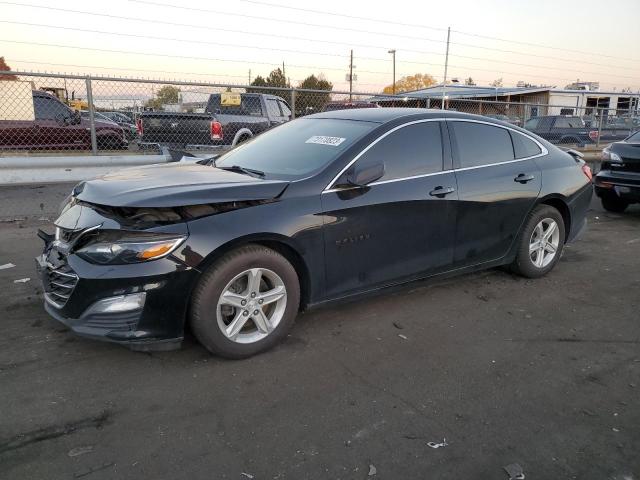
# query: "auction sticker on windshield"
324, 140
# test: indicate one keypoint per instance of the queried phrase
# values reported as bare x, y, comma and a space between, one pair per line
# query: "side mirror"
363, 175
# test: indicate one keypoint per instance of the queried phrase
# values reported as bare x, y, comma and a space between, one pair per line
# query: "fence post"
293, 103
92, 119
599, 128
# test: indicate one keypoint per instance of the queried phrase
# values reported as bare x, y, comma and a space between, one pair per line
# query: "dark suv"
56, 126
562, 129
618, 182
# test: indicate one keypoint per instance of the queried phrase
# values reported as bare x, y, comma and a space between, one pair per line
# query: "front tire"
245, 303
540, 243
613, 203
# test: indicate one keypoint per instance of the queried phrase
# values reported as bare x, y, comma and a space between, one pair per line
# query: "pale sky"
222, 41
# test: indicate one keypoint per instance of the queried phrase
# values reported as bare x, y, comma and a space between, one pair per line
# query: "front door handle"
440, 192
522, 178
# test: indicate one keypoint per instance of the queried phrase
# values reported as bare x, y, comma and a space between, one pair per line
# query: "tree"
166, 95
309, 102
469, 81
6, 68
410, 83
497, 83
275, 79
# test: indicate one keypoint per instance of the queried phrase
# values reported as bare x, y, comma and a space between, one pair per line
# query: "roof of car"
383, 115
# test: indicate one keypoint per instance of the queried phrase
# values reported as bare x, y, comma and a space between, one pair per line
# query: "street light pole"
393, 85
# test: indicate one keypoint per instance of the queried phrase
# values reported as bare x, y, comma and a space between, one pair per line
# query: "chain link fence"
51, 114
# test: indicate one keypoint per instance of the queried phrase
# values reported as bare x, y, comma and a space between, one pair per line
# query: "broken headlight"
111, 248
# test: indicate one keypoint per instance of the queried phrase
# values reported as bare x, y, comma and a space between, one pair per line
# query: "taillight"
593, 135
139, 126
216, 130
586, 169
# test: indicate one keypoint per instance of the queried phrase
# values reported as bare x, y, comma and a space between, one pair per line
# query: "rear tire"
540, 243
613, 203
245, 303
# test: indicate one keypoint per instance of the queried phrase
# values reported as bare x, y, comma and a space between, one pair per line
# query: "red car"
56, 126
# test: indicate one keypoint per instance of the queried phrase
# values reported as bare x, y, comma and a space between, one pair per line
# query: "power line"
272, 19
131, 52
208, 28
391, 22
216, 43
542, 46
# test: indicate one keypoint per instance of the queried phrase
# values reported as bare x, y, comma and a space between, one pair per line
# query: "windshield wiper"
246, 171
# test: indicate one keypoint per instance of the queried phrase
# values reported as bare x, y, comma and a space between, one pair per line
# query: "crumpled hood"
175, 185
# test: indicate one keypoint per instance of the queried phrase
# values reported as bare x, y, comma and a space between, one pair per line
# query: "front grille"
629, 166
59, 283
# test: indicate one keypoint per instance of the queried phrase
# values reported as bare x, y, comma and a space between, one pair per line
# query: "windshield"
297, 148
635, 138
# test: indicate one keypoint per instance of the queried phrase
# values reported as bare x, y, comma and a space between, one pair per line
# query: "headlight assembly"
109, 248
609, 156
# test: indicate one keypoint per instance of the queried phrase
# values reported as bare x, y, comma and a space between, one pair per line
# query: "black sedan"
618, 181
325, 207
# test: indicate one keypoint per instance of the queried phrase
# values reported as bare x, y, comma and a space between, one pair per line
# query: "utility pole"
283, 71
393, 85
249, 77
446, 66
351, 77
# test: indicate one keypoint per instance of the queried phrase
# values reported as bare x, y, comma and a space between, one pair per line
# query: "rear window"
298, 148
479, 144
569, 122
524, 147
249, 105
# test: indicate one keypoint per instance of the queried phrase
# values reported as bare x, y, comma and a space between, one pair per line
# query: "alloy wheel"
544, 242
251, 305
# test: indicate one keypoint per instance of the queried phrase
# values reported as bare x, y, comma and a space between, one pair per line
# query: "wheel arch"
239, 134
281, 244
560, 204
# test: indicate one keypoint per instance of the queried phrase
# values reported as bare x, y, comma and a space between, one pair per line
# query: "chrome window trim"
543, 152
366, 149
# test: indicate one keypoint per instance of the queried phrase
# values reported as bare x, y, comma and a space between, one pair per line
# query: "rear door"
498, 183
399, 227
276, 117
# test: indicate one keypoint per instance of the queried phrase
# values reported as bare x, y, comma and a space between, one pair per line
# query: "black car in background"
562, 129
618, 181
228, 119
125, 122
325, 207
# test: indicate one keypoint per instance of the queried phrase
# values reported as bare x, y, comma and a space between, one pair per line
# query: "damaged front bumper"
140, 305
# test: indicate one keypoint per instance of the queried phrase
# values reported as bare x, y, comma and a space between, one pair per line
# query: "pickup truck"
49, 124
562, 129
228, 119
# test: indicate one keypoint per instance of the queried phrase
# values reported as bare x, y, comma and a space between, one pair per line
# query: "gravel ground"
542, 373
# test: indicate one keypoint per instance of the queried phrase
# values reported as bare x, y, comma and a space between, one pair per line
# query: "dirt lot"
542, 373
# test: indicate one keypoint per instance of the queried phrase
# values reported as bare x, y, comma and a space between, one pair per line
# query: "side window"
412, 150
251, 106
286, 111
524, 146
480, 144
532, 123
48, 108
272, 108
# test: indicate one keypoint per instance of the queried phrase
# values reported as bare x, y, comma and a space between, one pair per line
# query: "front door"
498, 184
399, 227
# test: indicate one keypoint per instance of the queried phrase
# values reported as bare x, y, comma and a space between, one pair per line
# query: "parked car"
126, 123
56, 126
326, 207
331, 106
228, 119
618, 181
562, 129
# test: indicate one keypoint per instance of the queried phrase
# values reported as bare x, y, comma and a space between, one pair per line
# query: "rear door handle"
441, 191
522, 178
